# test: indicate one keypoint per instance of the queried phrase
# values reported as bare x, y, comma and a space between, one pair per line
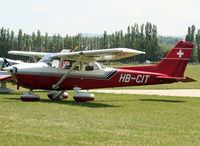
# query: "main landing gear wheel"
30, 97
57, 95
83, 97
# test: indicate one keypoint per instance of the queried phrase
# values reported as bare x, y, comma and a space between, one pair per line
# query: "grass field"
109, 120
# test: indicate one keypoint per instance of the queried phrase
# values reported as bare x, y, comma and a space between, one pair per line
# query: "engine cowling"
83, 97
55, 95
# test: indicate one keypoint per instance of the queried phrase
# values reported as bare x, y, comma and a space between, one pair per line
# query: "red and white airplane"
78, 70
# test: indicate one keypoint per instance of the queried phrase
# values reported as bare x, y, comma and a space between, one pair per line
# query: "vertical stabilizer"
175, 62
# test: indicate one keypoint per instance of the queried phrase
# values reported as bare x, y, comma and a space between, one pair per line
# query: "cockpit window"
51, 60
66, 64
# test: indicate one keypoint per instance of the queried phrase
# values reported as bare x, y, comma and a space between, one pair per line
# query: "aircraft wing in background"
4, 77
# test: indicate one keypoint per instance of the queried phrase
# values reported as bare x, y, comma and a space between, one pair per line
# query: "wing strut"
56, 86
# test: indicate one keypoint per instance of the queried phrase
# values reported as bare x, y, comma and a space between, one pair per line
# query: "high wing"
92, 55
103, 54
30, 54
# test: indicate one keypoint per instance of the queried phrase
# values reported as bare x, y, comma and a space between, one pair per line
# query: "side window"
67, 64
90, 66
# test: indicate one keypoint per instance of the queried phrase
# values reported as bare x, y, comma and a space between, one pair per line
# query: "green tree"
198, 44
46, 43
59, 43
12, 40
190, 37
20, 42
33, 42
54, 43
39, 41
105, 40
3, 43
28, 43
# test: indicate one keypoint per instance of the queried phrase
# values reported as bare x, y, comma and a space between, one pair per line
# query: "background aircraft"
4, 75
78, 70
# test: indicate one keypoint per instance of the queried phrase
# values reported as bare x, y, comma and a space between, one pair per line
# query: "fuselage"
44, 76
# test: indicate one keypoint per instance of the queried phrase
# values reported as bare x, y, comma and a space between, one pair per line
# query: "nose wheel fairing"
30, 97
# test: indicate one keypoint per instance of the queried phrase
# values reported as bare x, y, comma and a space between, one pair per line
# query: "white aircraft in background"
4, 75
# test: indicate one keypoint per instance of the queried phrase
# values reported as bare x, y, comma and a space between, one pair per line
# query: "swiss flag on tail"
182, 51
175, 62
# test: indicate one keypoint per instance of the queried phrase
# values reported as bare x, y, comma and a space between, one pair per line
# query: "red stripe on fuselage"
122, 78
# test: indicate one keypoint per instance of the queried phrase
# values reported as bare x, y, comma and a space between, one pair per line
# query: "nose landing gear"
30, 97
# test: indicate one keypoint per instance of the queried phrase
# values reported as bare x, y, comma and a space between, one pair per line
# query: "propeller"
6, 63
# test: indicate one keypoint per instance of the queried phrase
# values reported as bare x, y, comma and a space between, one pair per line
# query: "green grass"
109, 120
192, 71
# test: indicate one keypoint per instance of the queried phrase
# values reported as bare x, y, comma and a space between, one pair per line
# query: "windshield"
49, 59
100, 65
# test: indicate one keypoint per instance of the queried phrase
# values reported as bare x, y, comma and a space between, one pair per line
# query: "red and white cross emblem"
180, 53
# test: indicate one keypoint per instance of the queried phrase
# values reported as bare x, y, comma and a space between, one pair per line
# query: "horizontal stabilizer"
188, 79
168, 77
181, 79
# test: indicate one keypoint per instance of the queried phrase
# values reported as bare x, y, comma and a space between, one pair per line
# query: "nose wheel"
30, 97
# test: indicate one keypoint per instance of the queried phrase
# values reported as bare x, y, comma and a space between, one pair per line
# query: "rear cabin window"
90, 66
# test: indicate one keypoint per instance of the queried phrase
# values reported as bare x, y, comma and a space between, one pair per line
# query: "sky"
172, 17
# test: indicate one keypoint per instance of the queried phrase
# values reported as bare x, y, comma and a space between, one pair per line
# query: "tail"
173, 65
175, 62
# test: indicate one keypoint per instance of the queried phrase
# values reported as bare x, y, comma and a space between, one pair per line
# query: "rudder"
175, 62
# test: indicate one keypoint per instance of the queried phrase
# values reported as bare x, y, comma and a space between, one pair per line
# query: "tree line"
194, 36
143, 38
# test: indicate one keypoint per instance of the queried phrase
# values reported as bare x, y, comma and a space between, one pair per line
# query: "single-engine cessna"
79, 70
